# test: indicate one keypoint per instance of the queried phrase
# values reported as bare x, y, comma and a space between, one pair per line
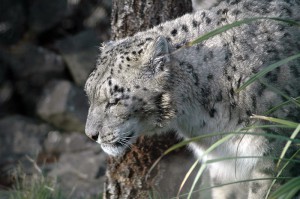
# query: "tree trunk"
127, 175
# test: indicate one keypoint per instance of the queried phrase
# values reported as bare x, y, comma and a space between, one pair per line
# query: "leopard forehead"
119, 65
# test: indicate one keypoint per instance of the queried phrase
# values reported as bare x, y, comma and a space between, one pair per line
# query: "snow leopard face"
130, 93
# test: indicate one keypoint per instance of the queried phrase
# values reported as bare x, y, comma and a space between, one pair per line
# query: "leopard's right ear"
161, 47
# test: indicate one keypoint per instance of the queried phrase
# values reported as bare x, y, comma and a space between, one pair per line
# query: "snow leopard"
154, 82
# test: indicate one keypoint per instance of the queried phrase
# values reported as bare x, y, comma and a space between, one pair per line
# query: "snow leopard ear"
161, 47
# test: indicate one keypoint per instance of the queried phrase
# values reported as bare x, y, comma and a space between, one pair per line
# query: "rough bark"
131, 16
127, 176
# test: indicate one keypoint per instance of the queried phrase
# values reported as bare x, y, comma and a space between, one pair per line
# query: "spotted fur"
152, 83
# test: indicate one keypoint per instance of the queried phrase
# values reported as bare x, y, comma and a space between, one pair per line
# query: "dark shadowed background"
47, 50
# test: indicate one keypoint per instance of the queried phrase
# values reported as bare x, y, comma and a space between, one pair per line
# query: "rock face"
80, 52
47, 50
64, 105
44, 14
12, 21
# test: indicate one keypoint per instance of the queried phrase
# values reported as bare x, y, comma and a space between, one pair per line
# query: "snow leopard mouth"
124, 140
118, 147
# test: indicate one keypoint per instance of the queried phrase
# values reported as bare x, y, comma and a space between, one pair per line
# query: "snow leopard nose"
92, 130
93, 136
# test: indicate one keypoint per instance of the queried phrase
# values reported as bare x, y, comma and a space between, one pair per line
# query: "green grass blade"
291, 186
211, 148
235, 182
266, 70
245, 157
288, 144
199, 173
280, 171
275, 90
275, 108
276, 120
187, 176
268, 126
186, 142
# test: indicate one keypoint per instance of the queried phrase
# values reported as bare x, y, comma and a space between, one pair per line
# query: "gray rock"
82, 173
59, 143
32, 68
36, 64
64, 105
44, 14
12, 21
80, 53
3, 65
19, 136
7, 100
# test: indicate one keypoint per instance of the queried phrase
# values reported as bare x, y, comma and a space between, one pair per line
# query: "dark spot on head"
225, 11
128, 89
141, 44
149, 39
174, 32
140, 51
195, 23
133, 52
233, 2
127, 58
207, 20
137, 86
120, 66
109, 82
184, 28
128, 65
116, 87
236, 12
145, 89
228, 78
